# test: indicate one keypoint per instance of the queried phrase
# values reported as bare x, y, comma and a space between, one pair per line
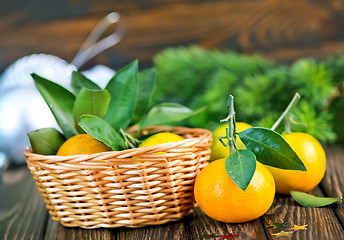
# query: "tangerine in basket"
313, 157
221, 199
217, 149
81, 144
159, 138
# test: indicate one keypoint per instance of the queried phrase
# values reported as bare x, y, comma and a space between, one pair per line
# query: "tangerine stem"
287, 127
129, 141
290, 106
231, 130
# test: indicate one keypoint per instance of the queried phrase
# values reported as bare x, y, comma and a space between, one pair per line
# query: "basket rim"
205, 133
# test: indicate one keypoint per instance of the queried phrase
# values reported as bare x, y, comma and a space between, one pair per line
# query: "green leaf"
102, 131
308, 200
92, 102
240, 167
123, 90
60, 102
166, 113
79, 81
146, 80
46, 141
278, 225
271, 149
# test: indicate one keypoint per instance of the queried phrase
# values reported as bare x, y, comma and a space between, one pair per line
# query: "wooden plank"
22, 210
333, 182
22, 214
200, 223
174, 230
193, 227
322, 222
56, 231
284, 30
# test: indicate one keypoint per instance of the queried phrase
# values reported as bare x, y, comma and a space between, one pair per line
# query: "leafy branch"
105, 114
264, 145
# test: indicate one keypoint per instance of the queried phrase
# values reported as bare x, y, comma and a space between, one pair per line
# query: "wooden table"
23, 214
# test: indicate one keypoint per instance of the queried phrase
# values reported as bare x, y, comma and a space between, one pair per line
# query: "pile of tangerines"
221, 199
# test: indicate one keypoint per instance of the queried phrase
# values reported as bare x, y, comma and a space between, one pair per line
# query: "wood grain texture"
333, 182
322, 223
55, 231
193, 227
22, 210
174, 230
202, 224
282, 30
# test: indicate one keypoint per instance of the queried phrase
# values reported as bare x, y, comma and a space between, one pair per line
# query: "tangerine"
217, 149
81, 144
221, 199
313, 157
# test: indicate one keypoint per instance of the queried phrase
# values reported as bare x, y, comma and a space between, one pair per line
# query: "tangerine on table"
217, 149
313, 157
81, 144
221, 199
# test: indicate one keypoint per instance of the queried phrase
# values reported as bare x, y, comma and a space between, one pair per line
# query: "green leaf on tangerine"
308, 200
271, 149
102, 131
240, 167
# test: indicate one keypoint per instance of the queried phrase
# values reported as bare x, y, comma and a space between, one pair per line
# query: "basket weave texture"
130, 188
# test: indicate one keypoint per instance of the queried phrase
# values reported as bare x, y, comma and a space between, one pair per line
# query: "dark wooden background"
280, 30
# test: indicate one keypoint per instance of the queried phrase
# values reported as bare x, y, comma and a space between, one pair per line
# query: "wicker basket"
130, 188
